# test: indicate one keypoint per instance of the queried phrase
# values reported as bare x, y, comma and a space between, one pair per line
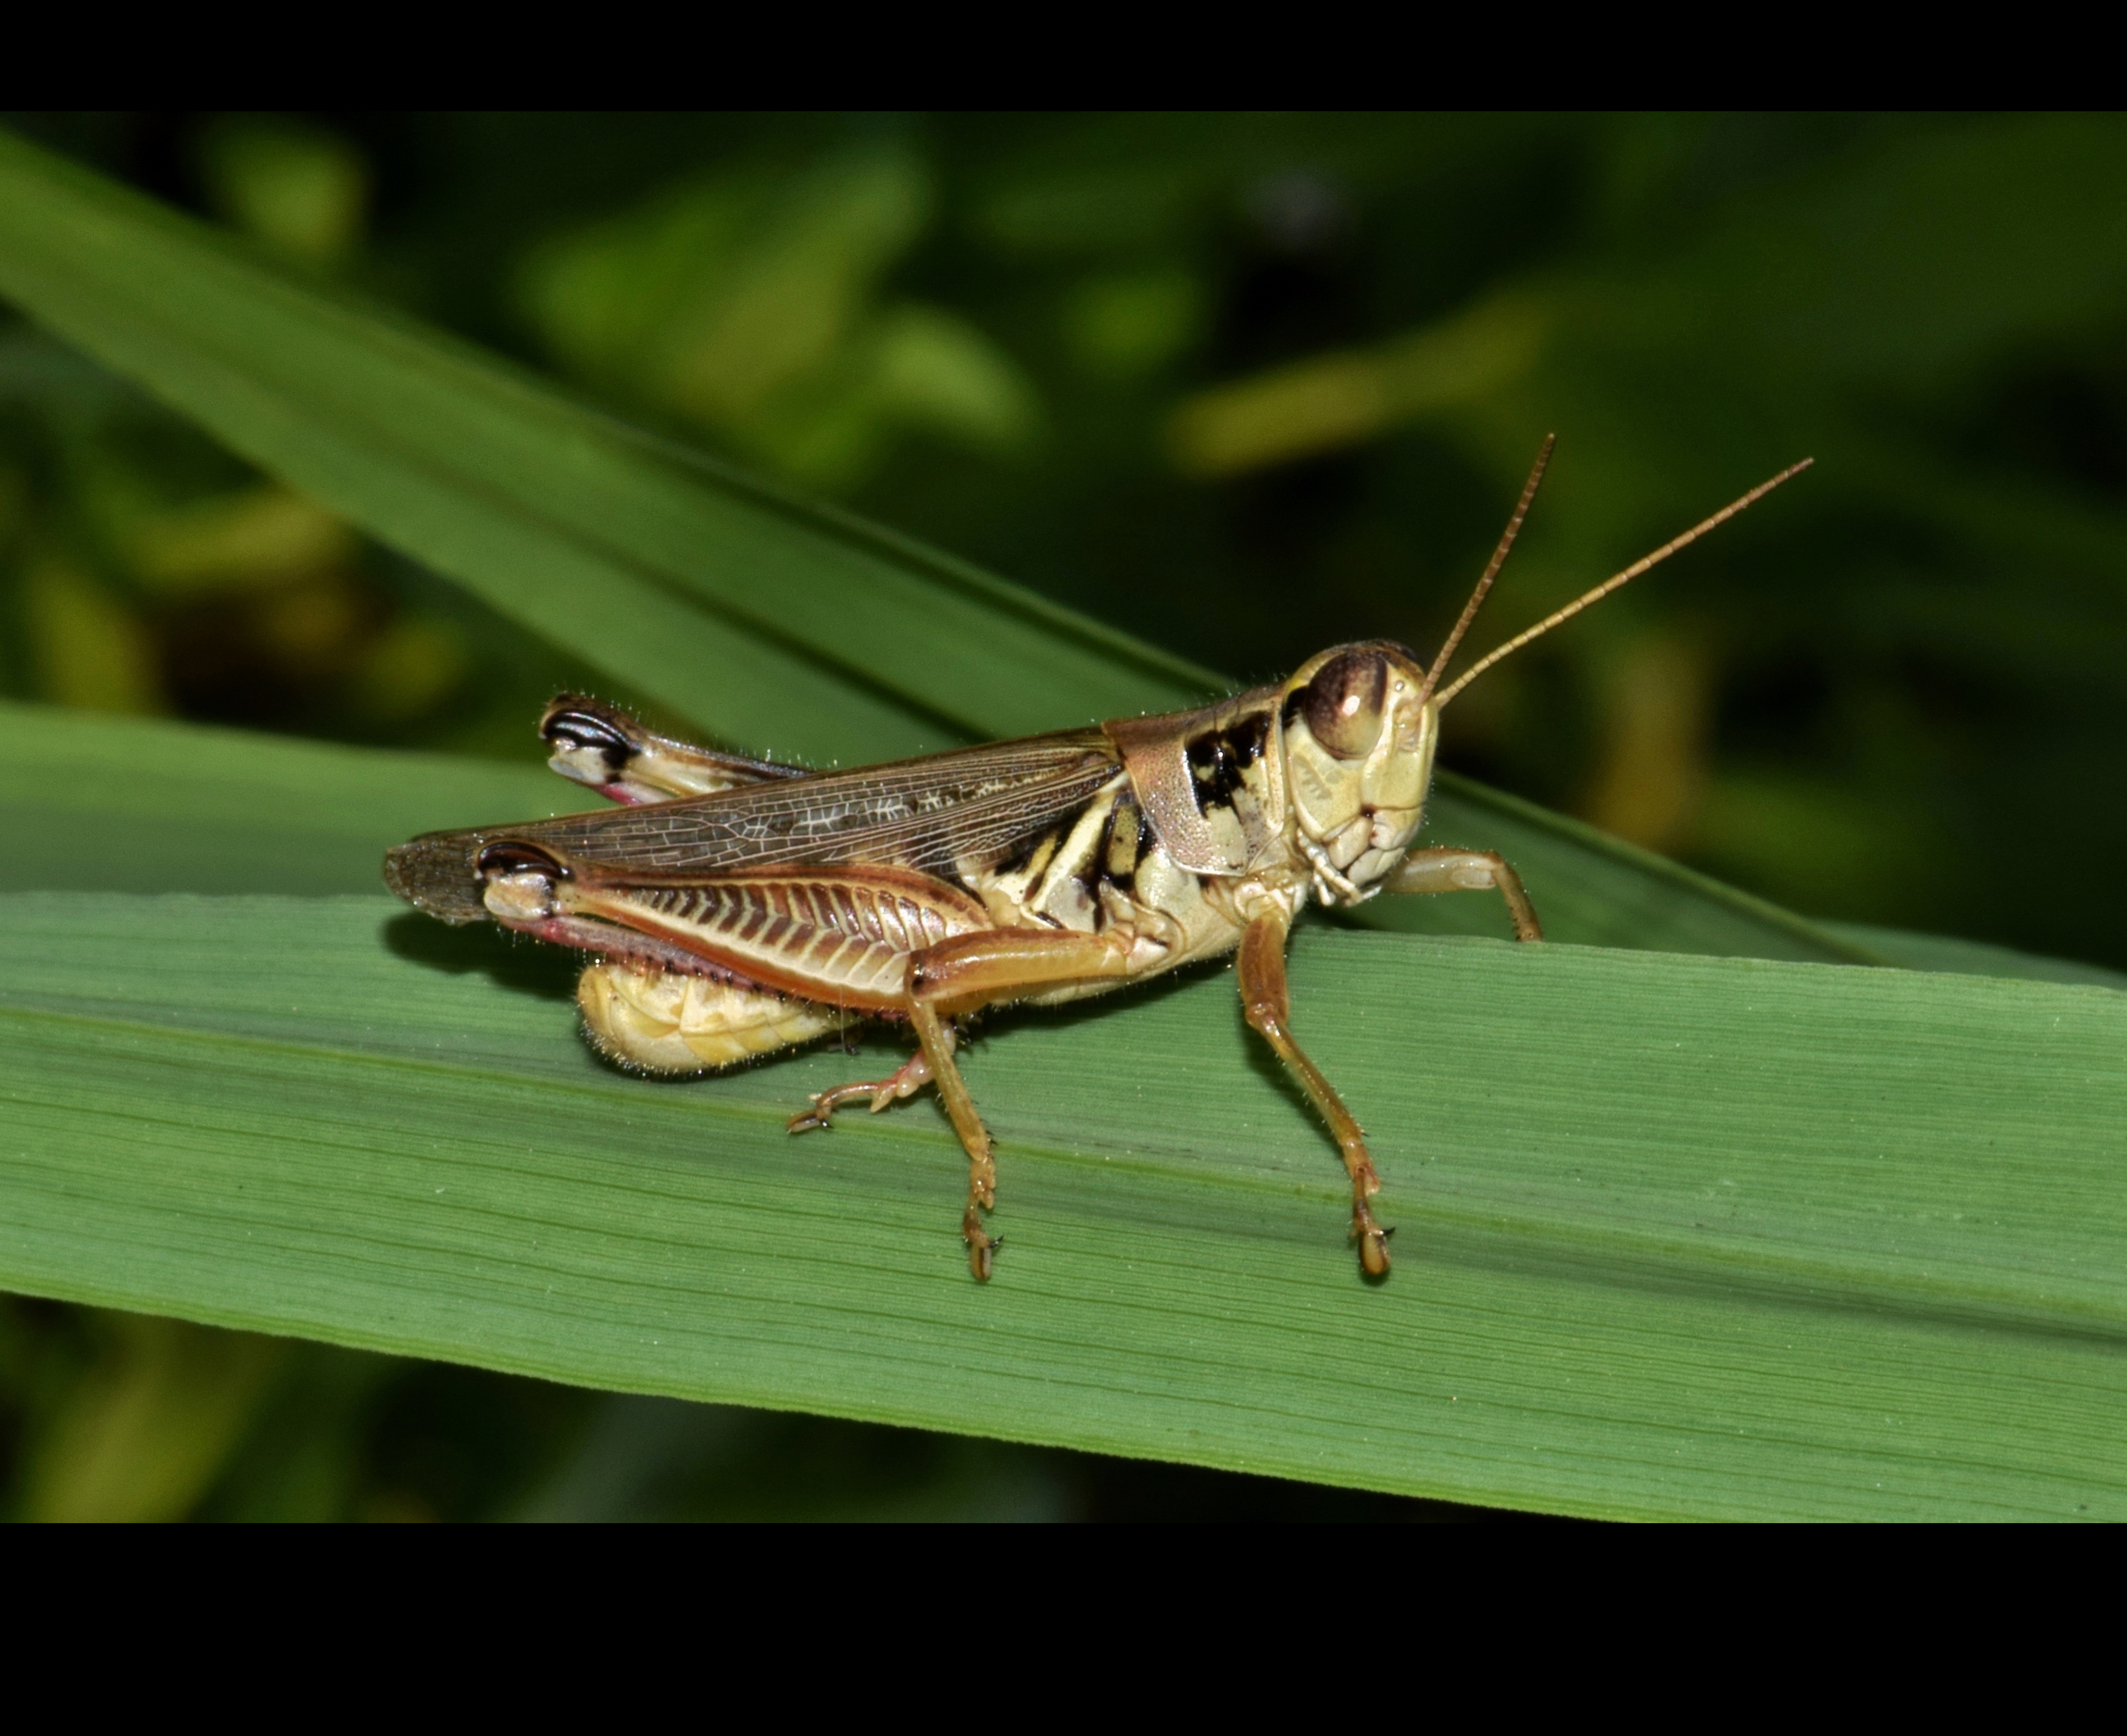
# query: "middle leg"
972, 971
1268, 1005
958, 975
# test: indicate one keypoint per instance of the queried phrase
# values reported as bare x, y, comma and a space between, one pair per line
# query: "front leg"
1268, 1005
1467, 870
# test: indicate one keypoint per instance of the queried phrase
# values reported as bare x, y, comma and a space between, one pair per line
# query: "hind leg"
602, 745
905, 1081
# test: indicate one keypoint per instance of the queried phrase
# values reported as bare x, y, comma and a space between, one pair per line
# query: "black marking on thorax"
1124, 841
1218, 758
1030, 859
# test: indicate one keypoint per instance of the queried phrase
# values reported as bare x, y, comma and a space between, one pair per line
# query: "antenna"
1492, 571
1622, 579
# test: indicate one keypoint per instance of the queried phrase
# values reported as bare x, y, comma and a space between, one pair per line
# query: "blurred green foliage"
1244, 385
754, 302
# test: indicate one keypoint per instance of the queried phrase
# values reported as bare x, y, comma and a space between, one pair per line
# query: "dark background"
1242, 385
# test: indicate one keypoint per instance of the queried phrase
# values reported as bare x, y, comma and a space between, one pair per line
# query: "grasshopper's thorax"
1212, 782
1358, 738
1317, 784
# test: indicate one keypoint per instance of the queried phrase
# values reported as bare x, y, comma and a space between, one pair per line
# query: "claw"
982, 1245
1373, 1242
878, 1094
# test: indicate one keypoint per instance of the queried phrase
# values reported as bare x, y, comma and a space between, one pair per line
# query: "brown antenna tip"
1492, 567
1620, 580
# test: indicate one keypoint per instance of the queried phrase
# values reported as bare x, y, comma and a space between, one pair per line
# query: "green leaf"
1973, 958
1600, 891
791, 629
1678, 1236
129, 804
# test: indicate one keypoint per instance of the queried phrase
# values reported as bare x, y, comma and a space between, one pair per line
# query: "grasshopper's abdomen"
663, 1022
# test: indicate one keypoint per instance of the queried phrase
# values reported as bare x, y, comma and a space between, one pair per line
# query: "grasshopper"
736, 906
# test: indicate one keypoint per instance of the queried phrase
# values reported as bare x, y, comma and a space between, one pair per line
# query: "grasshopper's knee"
1480, 871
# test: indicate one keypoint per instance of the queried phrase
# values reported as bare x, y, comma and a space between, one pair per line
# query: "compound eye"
1343, 704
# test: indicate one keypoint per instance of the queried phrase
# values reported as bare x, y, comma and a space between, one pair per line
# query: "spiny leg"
1467, 870
1268, 1005
970, 970
937, 1038
905, 1081
930, 1032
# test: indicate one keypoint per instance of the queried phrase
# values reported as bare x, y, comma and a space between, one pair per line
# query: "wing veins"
857, 817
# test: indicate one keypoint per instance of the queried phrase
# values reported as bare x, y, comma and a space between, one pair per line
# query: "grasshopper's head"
1361, 723
1360, 730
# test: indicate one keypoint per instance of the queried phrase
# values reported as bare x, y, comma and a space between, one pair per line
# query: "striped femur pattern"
843, 934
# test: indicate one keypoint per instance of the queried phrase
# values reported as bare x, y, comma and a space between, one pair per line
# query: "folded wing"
947, 814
